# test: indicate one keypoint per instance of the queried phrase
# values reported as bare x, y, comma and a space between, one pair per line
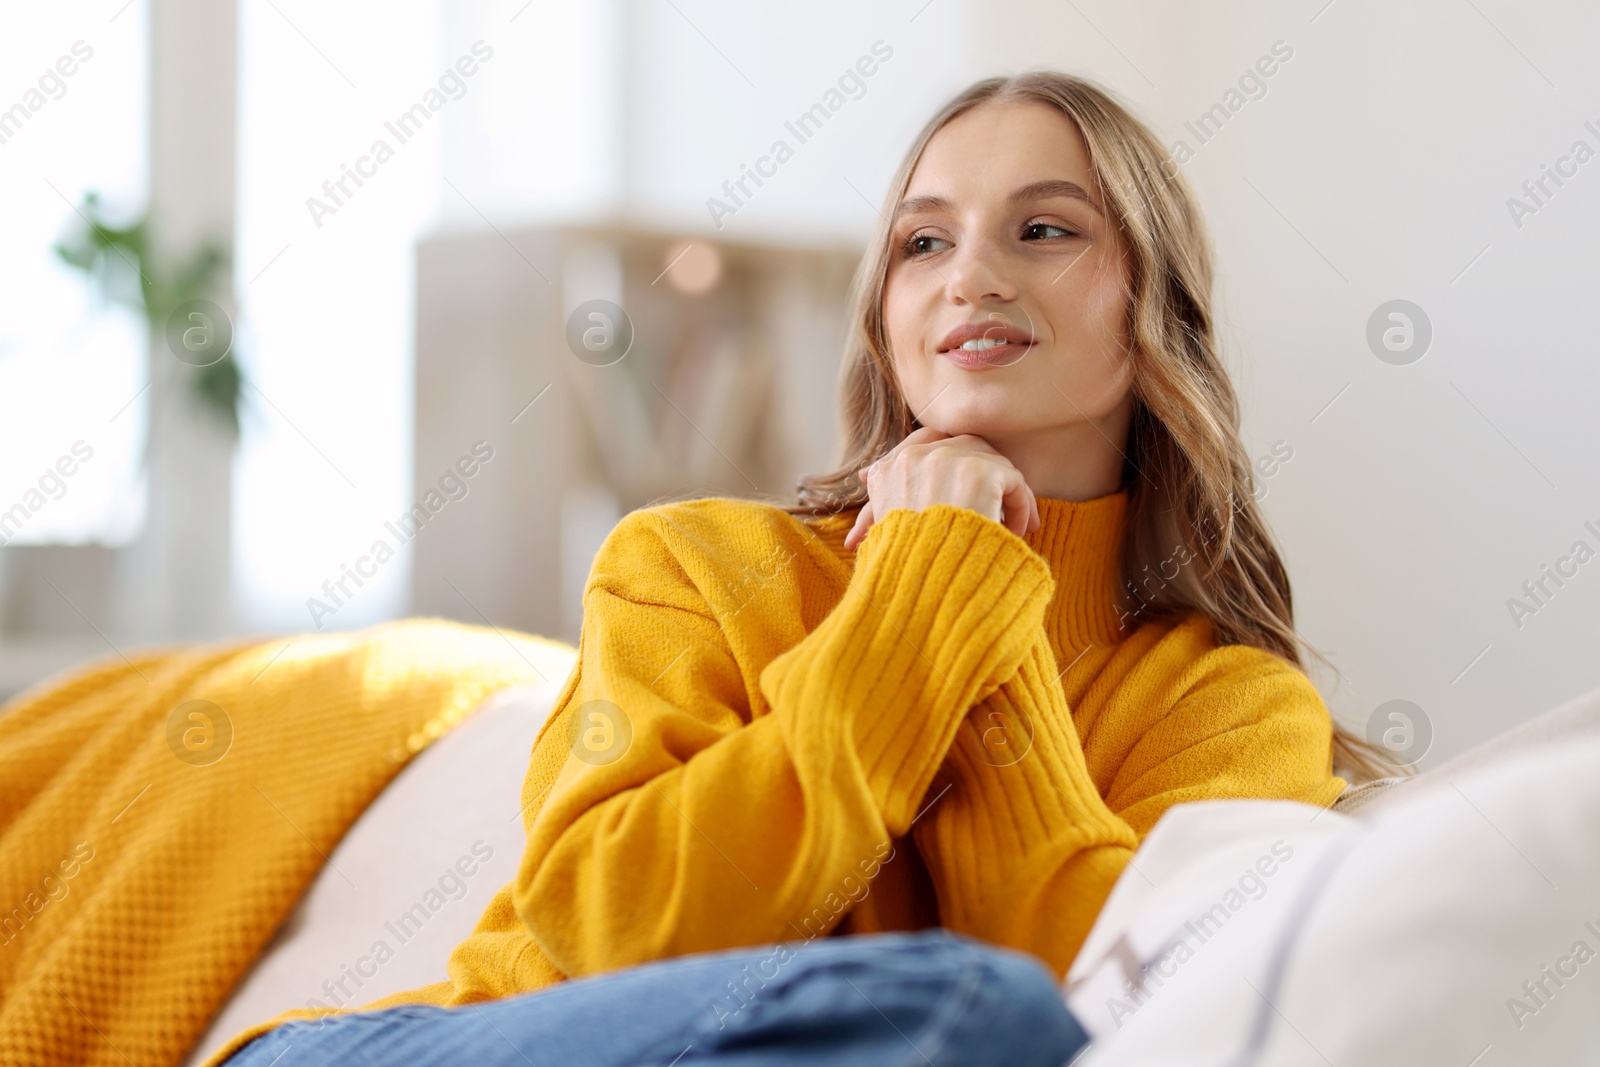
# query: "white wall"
643, 109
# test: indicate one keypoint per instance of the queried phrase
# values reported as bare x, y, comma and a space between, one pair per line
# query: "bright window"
326, 311
73, 407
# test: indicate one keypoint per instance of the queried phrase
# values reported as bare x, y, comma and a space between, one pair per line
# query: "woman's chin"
979, 427
973, 407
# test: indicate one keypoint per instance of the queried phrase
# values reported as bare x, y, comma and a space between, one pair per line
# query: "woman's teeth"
978, 344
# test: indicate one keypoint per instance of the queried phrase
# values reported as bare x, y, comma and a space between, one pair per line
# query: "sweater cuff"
970, 594
940, 611
1022, 805
1045, 788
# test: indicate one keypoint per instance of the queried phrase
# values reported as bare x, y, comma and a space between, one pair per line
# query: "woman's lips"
985, 359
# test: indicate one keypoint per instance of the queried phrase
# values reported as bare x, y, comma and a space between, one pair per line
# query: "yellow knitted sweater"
767, 737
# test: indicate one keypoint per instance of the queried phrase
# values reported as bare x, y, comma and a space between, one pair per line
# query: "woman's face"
1003, 231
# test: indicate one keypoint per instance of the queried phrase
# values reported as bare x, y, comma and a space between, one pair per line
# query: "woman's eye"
1035, 231
920, 244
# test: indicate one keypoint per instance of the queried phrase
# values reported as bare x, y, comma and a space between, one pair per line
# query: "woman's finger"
1021, 509
864, 522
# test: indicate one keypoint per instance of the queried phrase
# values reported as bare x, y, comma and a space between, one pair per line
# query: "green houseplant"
118, 262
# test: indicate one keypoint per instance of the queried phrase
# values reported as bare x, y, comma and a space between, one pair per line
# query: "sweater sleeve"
679, 819
1024, 850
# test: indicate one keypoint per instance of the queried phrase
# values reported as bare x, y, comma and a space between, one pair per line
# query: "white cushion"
1401, 937
414, 872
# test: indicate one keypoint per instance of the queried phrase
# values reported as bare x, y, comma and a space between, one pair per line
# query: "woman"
939, 701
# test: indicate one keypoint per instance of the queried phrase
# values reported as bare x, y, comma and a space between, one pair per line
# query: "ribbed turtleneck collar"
1082, 542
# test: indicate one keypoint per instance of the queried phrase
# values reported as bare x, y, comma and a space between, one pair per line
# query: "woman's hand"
931, 467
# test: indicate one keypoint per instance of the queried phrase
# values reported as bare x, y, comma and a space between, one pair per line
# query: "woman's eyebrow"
1044, 190
1040, 190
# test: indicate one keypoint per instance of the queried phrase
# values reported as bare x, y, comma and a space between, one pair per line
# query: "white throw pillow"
1459, 923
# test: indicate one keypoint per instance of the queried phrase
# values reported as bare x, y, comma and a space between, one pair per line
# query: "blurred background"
309, 314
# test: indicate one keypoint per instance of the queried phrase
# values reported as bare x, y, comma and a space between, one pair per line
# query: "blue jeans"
926, 999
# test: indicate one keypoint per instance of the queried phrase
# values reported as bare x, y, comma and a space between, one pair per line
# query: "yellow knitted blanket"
162, 813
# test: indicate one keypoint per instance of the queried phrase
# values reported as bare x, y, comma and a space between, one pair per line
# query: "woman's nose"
975, 275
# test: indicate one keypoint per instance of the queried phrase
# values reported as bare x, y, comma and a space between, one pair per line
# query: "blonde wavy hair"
1186, 470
